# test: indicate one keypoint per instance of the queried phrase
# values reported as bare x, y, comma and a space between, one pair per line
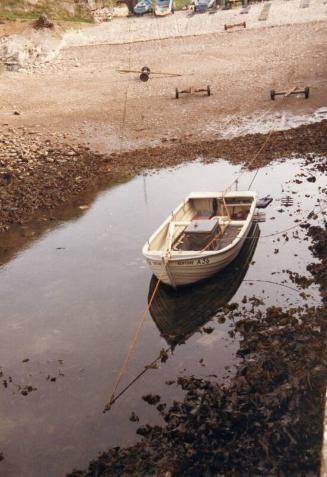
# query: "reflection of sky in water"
77, 295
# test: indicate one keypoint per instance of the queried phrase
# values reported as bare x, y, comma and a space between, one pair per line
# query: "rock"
134, 417
27, 390
151, 399
42, 22
5, 178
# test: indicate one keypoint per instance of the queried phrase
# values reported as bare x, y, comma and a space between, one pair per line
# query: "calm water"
70, 303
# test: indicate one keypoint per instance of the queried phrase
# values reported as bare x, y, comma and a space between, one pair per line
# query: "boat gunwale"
158, 255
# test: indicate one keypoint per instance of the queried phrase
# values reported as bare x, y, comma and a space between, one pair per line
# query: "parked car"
201, 6
164, 7
142, 7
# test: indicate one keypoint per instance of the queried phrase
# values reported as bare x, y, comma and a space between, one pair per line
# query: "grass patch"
180, 4
11, 10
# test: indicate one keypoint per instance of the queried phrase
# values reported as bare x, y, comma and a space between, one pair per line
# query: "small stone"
134, 417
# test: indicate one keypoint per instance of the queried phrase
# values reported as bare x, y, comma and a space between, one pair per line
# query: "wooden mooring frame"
294, 90
234, 25
192, 90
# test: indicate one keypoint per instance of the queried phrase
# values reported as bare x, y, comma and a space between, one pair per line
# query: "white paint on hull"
178, 268
184, 271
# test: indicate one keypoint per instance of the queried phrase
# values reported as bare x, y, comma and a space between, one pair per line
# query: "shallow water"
234, 126
70, 303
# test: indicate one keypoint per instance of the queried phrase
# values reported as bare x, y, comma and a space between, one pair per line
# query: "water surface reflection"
178, 313
71, 301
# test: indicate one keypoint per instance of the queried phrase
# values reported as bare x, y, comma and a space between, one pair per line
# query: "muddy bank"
38, 177
267, 421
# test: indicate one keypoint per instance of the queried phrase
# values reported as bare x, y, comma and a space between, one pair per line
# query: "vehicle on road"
202, 6
164, 7
142, 7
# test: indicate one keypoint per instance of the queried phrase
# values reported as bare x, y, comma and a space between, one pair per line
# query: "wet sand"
39, 178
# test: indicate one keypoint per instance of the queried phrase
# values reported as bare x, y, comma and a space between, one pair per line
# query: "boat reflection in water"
178, 313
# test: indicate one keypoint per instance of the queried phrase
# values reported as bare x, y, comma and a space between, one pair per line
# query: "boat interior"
206, 223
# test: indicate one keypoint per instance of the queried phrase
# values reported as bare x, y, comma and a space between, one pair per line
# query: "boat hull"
178, 313
182, 271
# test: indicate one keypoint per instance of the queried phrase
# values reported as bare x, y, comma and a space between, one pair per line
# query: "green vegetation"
180, 4
54, 9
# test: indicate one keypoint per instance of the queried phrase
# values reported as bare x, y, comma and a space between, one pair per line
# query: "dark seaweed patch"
267, 421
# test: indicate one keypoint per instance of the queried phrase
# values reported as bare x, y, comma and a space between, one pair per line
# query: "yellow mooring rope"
132, 345
261, 148
145, 314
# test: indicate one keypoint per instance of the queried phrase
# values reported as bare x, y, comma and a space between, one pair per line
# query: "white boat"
178, 313
201, 236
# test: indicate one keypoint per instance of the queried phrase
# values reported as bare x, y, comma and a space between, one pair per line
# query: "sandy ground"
83, 94
183, 24
57, 115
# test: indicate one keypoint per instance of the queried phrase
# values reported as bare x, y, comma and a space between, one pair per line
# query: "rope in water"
272, 107
321, 211
131, 349
137, 377
159, 357
248, 163
133, 344
114, 398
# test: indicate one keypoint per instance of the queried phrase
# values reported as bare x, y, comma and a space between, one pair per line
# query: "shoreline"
38, 178
269, 418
